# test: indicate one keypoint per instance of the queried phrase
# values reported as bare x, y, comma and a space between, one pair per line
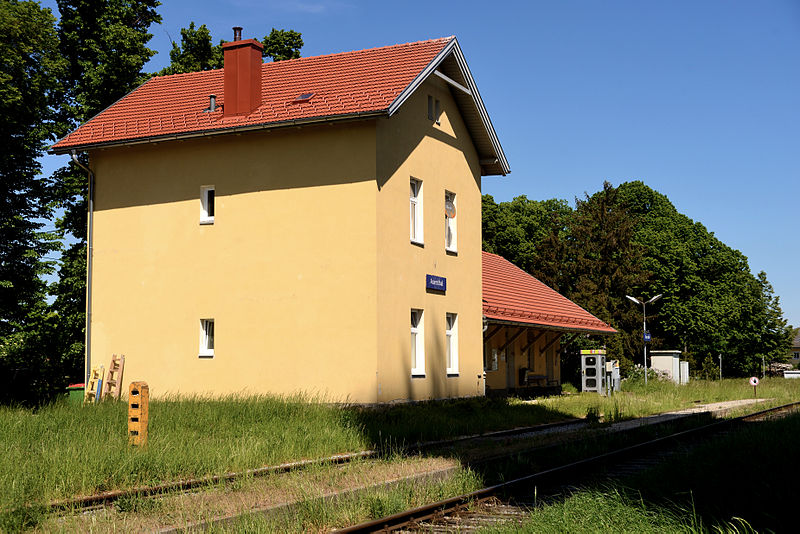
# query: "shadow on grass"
750, 474
399, 425
745, 479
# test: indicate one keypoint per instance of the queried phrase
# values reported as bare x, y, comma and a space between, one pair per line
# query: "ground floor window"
451, 343
417, 343
206, 338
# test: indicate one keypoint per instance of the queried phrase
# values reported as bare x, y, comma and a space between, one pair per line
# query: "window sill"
417, 375
451, 251
206, 221
206, 355
418, 243
451, 374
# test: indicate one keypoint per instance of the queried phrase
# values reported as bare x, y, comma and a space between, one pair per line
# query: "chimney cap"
237, 33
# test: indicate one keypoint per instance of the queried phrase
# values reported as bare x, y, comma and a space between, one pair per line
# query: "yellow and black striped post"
138, 408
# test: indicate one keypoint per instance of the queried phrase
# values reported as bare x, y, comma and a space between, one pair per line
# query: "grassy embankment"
745, 481
638, 400
62, 450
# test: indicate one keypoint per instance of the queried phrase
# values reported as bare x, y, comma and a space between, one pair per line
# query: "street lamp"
644, 327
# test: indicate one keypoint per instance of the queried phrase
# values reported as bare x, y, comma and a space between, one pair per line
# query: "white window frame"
417, 343
206, 338
450, 225
208, 208
451, 343
416, 220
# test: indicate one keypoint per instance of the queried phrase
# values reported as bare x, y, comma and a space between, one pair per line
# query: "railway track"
513, 500
107, 498
490, 501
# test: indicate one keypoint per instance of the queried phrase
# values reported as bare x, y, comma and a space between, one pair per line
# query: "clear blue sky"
698, 99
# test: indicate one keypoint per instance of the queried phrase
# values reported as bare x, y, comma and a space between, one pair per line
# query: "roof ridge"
197, 73
360, 51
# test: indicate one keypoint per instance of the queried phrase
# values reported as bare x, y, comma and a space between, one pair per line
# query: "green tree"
30, 94
712, 302
605, 265
530, 234
105, 46
196, 51
631, 240
282, 44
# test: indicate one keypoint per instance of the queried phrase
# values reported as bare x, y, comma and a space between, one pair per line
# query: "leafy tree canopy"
31, 92
630, 240
197, 53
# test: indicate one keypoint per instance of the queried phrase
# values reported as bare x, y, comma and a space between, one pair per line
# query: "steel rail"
182, 485
452, 504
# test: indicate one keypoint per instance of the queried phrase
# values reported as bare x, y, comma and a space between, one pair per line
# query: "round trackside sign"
753, 381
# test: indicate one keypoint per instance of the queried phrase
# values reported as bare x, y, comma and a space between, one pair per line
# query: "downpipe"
89, 257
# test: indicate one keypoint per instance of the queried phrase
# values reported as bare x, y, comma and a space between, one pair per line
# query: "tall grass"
63, 450
637, 400
744, 481
427, 421
597, 510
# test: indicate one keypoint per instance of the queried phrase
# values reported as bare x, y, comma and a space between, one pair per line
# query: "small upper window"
450, 228
434, 109
416, 211
207, 204
206, 338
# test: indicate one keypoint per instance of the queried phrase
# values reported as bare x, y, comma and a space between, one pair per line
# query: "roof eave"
218, 131
576, 329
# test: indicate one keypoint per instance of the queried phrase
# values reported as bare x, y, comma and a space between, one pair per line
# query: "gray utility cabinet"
593, 371
613, 378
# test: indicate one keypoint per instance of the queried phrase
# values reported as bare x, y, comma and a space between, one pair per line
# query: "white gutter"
89, 250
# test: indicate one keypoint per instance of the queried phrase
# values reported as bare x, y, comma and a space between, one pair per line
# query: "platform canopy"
512, 296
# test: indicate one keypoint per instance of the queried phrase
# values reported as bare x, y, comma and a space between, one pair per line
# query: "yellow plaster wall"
287, 271
443, 157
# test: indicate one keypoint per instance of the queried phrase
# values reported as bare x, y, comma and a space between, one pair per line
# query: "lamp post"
644, 325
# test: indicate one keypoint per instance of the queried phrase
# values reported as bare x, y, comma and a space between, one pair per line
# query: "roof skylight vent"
305, 97
212, 104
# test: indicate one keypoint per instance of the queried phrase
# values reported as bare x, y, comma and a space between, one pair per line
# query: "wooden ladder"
95, 382
111, 385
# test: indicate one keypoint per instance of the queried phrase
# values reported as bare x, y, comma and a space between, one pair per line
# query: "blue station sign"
436, 283
647, 337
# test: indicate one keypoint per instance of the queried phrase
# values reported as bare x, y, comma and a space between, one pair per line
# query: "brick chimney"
242, 83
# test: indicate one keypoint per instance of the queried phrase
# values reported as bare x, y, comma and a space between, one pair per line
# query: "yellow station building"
306, 225
311, 225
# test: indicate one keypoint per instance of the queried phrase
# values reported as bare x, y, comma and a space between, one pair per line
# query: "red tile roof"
511, 294
365, 81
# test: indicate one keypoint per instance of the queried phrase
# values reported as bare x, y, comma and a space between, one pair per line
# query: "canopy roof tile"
512, 295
